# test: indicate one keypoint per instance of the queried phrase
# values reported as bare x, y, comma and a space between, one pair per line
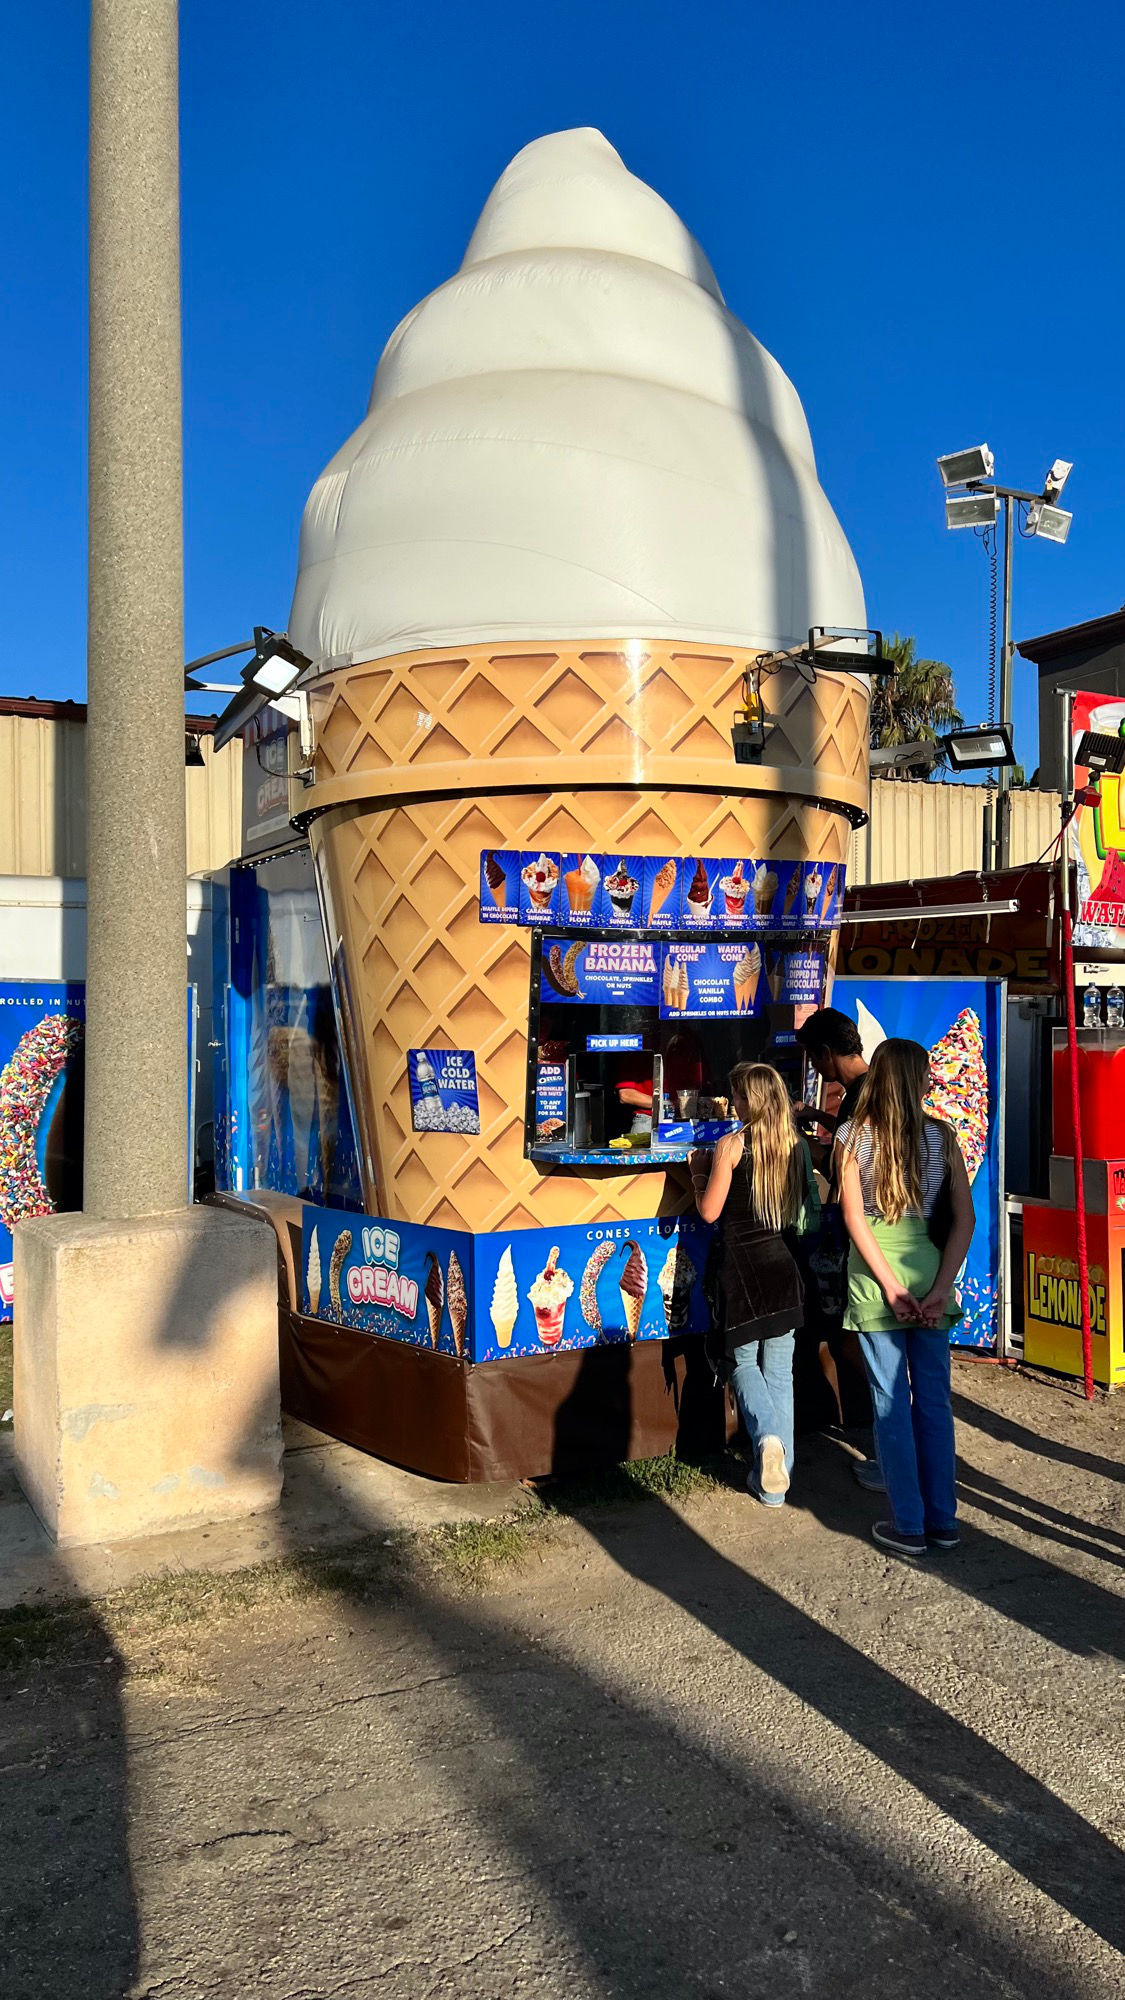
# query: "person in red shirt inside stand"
683, 1070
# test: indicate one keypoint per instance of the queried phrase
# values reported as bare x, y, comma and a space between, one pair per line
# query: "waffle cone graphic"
417, 969
537, 695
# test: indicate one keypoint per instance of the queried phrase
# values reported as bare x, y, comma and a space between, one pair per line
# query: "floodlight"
275, 668
960, 468
276, 663
1098, 753
1056, 479
971, 510
193, 751
984, 749
1052, 524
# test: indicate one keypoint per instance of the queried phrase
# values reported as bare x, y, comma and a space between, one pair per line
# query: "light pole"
973, 499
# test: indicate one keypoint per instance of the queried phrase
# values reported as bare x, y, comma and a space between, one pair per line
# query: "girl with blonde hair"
908, 1209
756, 1182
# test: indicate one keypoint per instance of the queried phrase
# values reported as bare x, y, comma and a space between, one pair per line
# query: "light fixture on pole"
973, 500
961, 468
985, 747
272, 674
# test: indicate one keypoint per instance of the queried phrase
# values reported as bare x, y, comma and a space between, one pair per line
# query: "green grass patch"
146, 1622
5, 1368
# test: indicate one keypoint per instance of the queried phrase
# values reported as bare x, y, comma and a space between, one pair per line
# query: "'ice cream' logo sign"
379, 1281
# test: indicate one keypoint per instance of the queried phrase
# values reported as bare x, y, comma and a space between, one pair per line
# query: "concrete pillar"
136, 977
146, 1362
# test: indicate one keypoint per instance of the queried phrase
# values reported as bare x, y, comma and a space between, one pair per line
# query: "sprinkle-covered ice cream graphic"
457, 1301
960, 1086
547, 1298
588, 1289
26, 1083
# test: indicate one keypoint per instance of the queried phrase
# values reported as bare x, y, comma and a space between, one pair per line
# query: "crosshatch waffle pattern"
401, 874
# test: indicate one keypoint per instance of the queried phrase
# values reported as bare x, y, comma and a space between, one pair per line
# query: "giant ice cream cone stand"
537, 585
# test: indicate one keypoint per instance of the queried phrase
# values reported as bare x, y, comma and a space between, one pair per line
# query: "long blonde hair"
773, 1142
890, 1109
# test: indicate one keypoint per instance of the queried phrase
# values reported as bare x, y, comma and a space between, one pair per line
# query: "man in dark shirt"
833, 1046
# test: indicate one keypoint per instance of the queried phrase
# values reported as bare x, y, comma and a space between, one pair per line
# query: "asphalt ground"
680, 1746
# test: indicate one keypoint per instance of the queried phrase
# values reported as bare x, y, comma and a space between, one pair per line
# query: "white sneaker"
772, 1475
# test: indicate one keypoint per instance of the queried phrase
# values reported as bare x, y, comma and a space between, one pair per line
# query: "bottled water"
1091, 1008
1115, 1008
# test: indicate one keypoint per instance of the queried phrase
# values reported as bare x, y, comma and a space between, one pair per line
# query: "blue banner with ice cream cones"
523, 1291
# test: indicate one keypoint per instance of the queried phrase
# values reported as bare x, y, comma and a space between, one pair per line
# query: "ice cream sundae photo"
735, 888
582, 885
621, 887
814, 883
698, 900
541, 879
547, 1299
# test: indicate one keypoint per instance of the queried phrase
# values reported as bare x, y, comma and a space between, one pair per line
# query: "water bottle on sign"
427, 1081
1091, 1008
1115, 1008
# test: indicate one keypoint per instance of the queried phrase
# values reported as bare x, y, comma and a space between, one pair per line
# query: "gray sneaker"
866, 1472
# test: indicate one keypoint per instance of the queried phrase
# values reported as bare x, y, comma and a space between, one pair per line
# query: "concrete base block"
146, 1371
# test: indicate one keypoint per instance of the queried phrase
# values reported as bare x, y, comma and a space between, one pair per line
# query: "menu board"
550, 1102
655, 892
712, 981
603, 972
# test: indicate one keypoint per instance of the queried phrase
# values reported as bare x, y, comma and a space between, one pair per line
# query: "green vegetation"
146, 1629
917, 704
5, 1368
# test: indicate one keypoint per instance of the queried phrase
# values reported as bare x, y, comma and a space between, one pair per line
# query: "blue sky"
917, 210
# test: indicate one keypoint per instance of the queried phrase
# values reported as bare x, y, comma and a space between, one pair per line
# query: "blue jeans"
909, 1375
763, 1389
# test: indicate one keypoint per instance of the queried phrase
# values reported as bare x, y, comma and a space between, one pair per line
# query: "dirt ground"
677, 1747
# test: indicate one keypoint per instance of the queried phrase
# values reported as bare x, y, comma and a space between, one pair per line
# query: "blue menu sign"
550, 1102
443, 1090
499, 886
712, 981
604, 972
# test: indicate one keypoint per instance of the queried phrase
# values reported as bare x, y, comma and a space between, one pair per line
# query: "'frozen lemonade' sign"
1054, 1295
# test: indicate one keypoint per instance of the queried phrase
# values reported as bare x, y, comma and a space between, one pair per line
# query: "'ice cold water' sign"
443, 1090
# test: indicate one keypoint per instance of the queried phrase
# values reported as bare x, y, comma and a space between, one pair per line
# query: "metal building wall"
916, 829
938, 829
43, 800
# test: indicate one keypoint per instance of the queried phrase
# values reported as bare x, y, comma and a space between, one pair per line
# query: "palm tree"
916, 704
